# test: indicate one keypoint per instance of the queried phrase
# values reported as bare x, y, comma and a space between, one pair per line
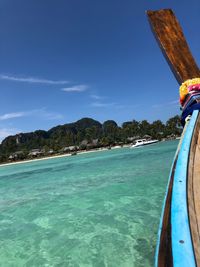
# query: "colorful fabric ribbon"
189, 97
187, 88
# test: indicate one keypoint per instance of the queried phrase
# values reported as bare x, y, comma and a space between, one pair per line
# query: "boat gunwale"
182, 246
165, 213
166, 209
193, 190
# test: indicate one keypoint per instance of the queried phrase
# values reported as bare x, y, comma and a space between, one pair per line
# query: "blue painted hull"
175, 246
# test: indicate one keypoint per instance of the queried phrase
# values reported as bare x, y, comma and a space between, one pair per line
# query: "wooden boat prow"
179, 232
171, 40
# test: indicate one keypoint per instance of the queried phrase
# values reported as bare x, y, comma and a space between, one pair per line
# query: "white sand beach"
57, 156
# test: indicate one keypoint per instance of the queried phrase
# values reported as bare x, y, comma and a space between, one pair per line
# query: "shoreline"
67, 155
58, 156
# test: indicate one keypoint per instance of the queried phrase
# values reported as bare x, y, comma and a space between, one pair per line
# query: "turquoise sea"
99, 209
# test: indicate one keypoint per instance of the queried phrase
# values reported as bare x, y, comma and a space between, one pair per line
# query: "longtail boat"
179, 231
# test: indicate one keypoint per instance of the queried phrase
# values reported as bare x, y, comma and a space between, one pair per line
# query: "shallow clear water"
98, 209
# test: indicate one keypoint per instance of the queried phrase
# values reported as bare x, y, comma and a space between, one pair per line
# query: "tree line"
87, 133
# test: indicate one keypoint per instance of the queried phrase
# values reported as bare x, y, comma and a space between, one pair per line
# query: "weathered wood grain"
194, 191
172, 42
193, 185
165, 257
171, 39
165, 251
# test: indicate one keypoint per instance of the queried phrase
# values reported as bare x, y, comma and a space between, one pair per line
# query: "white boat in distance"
143, 142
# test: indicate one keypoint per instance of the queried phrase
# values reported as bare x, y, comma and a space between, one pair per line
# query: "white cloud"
97, 97
50, 115
114, 105
32, 80
102, 105
39, 113
13, 115
4, 132
76, 88
42, 113
170, 103
173, 102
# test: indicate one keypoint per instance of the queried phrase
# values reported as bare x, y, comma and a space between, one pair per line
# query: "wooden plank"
164, 257
185, 202
194, 190
171, 39
182, 245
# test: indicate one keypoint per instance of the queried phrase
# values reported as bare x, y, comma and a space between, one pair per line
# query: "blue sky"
67, 59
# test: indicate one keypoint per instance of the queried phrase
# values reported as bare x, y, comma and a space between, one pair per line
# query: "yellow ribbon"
183, 90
